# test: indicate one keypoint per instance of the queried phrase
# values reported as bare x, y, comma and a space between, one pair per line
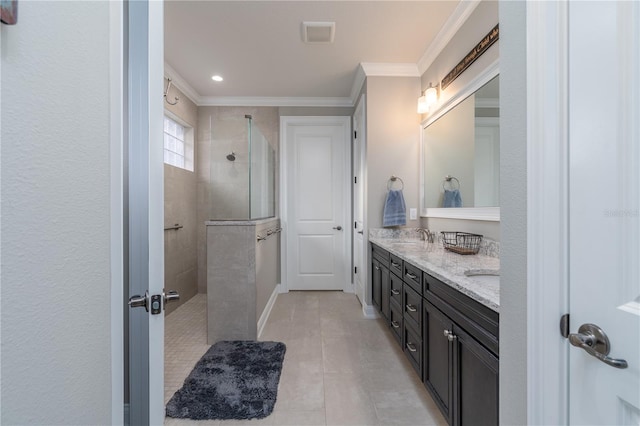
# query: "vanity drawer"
380, 254
396, 265
395, 287
412, 276
412, 307
395, 322
413, 348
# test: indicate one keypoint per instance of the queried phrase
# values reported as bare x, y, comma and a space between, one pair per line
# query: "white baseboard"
267, 310
369, 311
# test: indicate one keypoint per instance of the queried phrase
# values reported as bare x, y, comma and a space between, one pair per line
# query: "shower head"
232, 156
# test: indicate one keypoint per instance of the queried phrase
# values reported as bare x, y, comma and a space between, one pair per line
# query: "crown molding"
446, 33
274, 101
388, 69
181, 84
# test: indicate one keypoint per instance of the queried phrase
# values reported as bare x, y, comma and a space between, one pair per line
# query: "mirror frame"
469, 213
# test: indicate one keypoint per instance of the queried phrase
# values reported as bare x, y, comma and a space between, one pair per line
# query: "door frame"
548, 202
118, 64
116, 95
360, 114
285, 122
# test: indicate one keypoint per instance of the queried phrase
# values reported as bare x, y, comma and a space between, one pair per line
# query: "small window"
178, 144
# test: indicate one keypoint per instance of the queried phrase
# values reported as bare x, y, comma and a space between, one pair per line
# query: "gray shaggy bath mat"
233, 380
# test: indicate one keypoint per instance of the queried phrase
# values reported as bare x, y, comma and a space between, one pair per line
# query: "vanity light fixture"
431, 95
422, 105
216, 78
429, 99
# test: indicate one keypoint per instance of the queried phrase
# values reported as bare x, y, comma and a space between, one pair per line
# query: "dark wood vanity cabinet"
380, 280
460, 337
450, 339
460, 373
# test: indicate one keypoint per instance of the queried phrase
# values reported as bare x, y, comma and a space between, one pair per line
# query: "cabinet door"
438, 357
385, 291
376, 283
476, 382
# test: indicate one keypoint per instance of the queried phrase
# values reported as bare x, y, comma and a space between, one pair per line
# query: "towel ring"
392, 179
448, 178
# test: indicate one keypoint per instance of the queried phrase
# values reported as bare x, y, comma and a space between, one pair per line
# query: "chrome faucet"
427, 235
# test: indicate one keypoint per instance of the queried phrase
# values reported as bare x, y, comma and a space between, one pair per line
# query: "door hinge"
355, 134
355, 225
355, 270
564, 325
355, 179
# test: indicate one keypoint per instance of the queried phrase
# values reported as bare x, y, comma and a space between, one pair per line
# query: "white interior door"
487, 162
145, 210
604, 220
359, 239
317, 218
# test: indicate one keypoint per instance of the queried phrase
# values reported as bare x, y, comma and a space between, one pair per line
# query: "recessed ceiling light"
216, 78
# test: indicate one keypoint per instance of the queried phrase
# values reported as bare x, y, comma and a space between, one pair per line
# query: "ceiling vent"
318, 32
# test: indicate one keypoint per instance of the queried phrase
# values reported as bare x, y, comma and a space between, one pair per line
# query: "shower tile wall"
180, 205
223, 186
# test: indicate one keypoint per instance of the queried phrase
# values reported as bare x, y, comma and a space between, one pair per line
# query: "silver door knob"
171, 296
138, 301
339, 228
595, 342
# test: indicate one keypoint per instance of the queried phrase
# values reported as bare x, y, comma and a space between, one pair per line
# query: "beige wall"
223, 186
393, 140
180, 202
481, 21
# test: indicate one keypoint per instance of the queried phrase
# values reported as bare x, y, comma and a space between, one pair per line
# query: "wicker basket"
461, 242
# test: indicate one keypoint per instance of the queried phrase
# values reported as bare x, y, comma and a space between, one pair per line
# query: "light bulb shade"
422, 105
431, 96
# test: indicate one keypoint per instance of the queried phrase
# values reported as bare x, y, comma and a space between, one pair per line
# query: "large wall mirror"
461, 156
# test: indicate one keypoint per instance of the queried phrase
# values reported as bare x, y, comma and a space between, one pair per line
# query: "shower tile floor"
339, 368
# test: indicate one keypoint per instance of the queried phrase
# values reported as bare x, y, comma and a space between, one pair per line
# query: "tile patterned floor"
339, 368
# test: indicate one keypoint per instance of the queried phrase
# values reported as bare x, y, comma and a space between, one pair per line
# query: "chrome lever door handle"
171, 296
138, 301
595, 342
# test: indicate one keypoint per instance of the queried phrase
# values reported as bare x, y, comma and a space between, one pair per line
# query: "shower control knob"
339, 228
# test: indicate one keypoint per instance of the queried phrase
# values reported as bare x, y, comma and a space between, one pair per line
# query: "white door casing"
360, 240
604, 220
145, 208
315, 159
583, 199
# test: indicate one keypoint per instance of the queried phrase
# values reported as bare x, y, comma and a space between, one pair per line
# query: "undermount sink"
484, 276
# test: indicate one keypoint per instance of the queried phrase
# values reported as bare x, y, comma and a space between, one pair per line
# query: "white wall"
513, 198
55, 162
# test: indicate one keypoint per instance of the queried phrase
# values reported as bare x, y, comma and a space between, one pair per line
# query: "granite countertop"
449, 267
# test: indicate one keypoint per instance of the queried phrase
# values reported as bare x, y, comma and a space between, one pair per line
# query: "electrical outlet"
413, 213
